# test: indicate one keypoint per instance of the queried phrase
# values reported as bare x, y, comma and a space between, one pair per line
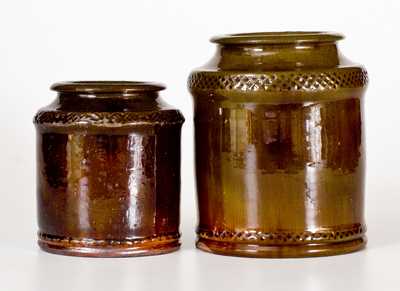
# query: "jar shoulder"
278, 68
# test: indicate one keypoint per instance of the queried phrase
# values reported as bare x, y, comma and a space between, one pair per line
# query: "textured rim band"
106, 118
279, 82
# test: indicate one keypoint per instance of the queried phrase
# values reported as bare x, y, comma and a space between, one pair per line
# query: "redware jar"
108, 169
280, 153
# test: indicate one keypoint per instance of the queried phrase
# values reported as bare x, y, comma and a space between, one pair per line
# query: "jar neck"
67, 97
107, 96
288, 56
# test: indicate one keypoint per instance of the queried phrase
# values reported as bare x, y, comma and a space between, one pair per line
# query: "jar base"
108, 249
281, 251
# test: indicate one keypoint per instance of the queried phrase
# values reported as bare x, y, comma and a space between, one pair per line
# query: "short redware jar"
108, 170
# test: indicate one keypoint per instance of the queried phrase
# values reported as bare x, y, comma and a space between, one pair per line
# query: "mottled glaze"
280, 156
108, 170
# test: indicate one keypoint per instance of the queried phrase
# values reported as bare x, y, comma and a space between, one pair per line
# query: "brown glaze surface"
108, 157
279, 147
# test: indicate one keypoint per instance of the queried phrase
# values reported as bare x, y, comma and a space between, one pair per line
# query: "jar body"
108, 181
279, 154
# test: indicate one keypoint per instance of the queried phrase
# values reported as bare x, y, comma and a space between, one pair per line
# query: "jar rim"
277, 37
107, 87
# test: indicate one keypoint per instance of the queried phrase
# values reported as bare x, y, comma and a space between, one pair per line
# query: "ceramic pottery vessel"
279, 146
108, 170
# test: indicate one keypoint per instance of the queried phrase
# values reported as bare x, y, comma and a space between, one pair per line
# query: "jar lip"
283, 37
107, 87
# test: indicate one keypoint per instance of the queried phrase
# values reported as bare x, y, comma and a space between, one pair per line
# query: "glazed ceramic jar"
108, 170
279, 146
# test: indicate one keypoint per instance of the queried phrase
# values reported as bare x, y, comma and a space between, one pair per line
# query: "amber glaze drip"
279, 147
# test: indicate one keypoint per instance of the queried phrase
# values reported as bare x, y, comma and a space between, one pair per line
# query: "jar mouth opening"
283, 37
124, 87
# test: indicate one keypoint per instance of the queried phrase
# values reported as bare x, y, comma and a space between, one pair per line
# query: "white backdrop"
55, 40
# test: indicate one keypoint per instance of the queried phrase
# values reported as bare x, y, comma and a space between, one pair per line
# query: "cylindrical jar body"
279, 147
108, 169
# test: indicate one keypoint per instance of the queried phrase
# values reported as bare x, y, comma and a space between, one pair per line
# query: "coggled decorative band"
106, 118
278, 82
287, 237
103, 243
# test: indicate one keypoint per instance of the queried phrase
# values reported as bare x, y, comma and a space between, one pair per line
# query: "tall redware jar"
108, 170
280, 156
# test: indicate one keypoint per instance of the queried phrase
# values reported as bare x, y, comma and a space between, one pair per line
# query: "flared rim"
277, 37
107, 87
